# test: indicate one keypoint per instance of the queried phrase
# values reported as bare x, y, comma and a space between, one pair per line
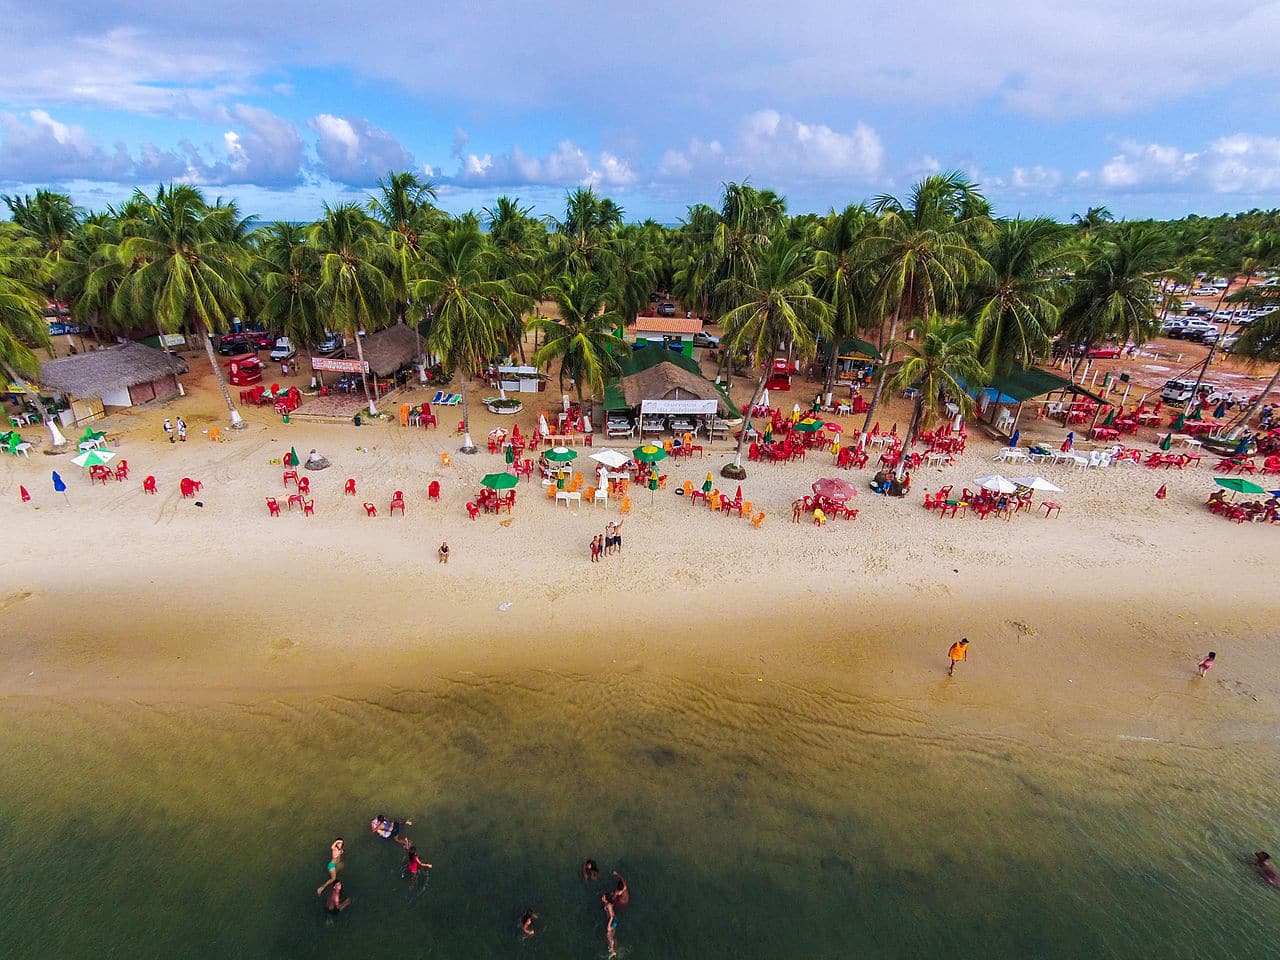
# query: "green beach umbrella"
1196, 414
706, 484
499, 481
93, 458
1238, 485
1167, 441
649, 453
1111, 419
292, 459
809, 425
1180, 423
560, 455
510, 454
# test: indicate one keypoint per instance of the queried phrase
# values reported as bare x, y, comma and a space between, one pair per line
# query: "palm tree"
922, 255
404, 207
583, 339
184, 268
1092, 219
51, 218
583, 241
775, 304
1111, 296
842, 276
287, 270
23, 277
469, 304
1015, 300
941, 364
1258, 344
354, 291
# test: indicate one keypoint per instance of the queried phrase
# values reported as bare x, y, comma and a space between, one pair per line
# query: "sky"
1151, 109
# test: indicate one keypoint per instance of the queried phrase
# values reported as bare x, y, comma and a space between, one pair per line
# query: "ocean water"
751, 820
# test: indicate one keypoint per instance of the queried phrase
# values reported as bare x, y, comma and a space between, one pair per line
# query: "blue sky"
1153, 109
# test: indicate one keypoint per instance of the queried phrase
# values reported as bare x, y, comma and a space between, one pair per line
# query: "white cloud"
565, 166
354, 151
1146, 166
1241, 163
770, 144
1035, 179
45, 148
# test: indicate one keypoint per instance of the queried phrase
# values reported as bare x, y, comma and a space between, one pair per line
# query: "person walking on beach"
959, 651
1206, 664
443, 553
168, 429
182, 430
610, 925
595, 549
797, 510
335, 861
334, 904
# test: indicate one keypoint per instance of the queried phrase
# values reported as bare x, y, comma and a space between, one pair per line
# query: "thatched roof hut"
655, 373
388, 350
120, 376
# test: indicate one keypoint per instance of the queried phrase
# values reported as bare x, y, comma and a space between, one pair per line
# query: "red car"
1106, 352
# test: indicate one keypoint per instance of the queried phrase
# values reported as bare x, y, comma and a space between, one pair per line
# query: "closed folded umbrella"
1220, 411
1166, 442
706, 484
1017, 435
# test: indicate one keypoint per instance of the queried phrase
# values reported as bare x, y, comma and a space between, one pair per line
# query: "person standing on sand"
182, 430
1206, 664
168, 429
443, 553
797, 510
595, 549
959, 651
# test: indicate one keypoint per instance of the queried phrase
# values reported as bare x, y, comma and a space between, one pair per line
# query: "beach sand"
809, 654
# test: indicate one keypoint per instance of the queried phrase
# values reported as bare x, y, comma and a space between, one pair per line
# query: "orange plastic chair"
625, 505
713, 501
590, 495
757, 520
214, 434
687, 488
404, 414
551, 491
445, 459
745, 509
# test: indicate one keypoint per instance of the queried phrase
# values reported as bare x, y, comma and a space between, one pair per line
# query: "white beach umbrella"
586, 423
996, 484
610, 458
542, 424
1036, 483
764, 397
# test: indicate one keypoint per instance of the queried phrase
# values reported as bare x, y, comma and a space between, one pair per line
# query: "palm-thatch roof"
100, 372
388, 350
655, 373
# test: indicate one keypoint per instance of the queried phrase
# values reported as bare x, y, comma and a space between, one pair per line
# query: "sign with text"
173, 339
692, 407
339, 366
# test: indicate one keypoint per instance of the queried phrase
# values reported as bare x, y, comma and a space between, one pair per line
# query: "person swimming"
621, 896
610, 926
335, 860
415, 863
1267, 868
526, 923
334, 904
590, 872
390, 829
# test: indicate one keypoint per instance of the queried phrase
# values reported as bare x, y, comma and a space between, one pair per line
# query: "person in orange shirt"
959, 651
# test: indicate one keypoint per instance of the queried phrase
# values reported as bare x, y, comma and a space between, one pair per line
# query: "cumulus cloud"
355, 152
257, 147
1240, 163
565, 166
775, 145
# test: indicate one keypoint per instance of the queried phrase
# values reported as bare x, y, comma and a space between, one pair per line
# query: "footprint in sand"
15, 598
1023, 629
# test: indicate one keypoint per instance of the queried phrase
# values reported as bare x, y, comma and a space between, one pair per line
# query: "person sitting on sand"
334, 904
335, 861
390, 829
526, 923
797, 510
1206, 664
1267, 868
610, 925
442, 555
590, 872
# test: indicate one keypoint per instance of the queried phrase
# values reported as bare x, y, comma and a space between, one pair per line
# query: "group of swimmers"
385, 828
611, 900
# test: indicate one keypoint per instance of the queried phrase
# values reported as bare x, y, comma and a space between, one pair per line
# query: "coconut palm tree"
1092, 219
941, 363
1015, 299
1260, 343
1111, 295
922, 255
24, 274
185, 268
355, 290
842, 276
287, 270
583, 338
583, 241
51, 218
775, 304
458, 287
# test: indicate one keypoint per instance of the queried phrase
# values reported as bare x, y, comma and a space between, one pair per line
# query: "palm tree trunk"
735, 470
56, 439
913, 430
467, 445
364, 376
884, 372
237, 423
1254, 407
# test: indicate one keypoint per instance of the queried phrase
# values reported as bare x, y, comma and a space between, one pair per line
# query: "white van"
1178, 391
283, 350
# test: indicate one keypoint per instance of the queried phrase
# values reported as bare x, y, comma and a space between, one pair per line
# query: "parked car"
1204, 336
666, 309
1176, 323
1228, 343
1105, 351
1177, 391
283, 350
1192, 329
701, 339
654, 298
235, 344
1198, 311
332, 343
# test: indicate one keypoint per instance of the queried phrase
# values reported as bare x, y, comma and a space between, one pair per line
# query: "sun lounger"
439, 397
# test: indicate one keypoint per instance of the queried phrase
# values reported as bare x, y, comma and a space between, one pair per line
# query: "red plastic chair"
273, 507
308, 508
122, 470
149, 485
472, 510
350, 487
1050, 508
188, 487
433, 490
290, 475
304, 484
370, 510
397, 501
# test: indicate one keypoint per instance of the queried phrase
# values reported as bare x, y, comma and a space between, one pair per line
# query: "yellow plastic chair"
445, 460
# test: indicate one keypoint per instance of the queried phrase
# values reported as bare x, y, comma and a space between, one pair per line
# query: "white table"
1187, 440
882, 439
1010, 453
938, 457
566, 496
93, 444
602, 495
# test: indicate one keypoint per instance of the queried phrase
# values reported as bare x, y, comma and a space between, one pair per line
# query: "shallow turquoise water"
770, 822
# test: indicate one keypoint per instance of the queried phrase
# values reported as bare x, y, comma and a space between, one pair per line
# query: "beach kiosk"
244, 370
779, 375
